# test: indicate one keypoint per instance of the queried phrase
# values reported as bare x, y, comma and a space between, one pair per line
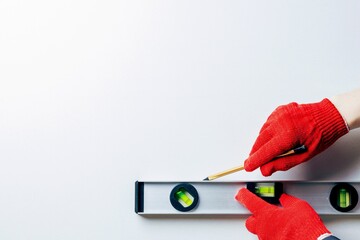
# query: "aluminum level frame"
218, 198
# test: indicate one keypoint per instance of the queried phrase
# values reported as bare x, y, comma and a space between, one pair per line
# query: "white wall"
95, 95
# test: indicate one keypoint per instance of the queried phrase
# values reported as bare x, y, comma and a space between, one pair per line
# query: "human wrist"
348, 104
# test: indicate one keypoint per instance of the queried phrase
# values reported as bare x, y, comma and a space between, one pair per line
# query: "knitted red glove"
295, 220
316, 125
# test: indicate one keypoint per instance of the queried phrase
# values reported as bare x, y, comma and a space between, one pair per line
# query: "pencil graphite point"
206, 179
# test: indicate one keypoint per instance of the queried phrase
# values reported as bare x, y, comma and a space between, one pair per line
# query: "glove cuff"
315, 233
328, 119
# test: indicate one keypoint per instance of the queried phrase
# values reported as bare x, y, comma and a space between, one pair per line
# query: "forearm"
348, 105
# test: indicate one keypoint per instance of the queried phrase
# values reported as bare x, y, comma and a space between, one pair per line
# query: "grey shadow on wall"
340, 162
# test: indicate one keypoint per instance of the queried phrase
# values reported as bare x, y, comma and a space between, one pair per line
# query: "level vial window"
184, 198
268, 191
344, 198
265, 189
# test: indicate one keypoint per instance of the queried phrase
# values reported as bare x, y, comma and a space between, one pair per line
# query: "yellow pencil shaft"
285, 154
226, 172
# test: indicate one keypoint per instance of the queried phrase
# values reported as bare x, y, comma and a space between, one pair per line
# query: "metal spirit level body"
218, 198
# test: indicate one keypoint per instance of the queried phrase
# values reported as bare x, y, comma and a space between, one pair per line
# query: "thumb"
288, 200
251, 224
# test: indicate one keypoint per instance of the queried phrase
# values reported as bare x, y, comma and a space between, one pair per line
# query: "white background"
95, 95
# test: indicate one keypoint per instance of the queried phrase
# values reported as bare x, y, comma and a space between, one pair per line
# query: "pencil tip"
206, 179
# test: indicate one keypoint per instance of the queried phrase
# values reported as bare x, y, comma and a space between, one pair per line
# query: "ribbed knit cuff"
316, 228
328, 120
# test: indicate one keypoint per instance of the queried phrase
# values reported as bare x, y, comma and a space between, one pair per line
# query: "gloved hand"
316, 125
296, 219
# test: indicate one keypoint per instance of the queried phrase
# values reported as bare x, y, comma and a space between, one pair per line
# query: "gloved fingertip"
266, 171
283, 197
248, 166
241, 194
238, 195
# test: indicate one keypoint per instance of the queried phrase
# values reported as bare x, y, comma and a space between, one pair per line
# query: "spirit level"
218, 198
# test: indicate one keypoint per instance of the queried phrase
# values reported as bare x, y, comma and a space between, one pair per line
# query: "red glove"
295, 220
316, 125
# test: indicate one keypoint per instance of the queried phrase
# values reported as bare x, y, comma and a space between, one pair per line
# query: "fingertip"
267, 170
283, 197
243, 196
240, 194
237, 197
249, 166
287, 200
246, 166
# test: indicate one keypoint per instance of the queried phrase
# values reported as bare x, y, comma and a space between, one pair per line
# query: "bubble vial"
184, 198
265, 189
344, 198
268, 191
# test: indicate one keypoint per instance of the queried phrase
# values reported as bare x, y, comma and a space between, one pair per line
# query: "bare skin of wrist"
348, 104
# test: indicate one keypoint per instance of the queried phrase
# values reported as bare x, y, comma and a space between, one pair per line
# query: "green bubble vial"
344, 198
265, 190
184, 197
